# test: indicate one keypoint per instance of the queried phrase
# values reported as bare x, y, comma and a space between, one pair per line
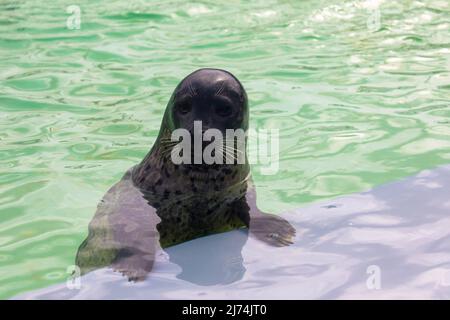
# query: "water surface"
357, 105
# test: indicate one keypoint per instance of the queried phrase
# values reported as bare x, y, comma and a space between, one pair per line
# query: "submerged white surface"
402, 228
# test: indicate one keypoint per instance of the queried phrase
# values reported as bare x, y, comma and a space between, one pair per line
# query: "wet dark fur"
191, 203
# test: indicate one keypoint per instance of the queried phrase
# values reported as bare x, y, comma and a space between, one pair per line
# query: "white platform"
403, 229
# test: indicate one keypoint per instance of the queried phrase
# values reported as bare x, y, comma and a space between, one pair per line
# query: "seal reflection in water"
159, 203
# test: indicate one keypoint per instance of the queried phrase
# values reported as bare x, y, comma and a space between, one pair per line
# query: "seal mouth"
204, 167
207, 155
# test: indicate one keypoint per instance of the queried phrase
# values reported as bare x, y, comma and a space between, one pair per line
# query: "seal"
159, 203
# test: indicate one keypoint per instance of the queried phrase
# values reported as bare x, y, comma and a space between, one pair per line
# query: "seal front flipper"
122, 234
133, 263
268, 228
272, 229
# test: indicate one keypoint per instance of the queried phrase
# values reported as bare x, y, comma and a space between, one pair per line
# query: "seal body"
191, 203
159, 203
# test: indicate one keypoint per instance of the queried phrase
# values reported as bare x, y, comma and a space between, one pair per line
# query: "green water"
356, 106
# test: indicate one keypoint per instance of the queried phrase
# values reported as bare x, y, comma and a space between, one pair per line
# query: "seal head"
213, 96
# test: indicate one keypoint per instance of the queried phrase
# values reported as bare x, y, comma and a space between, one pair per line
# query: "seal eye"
223, 110
184, 108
